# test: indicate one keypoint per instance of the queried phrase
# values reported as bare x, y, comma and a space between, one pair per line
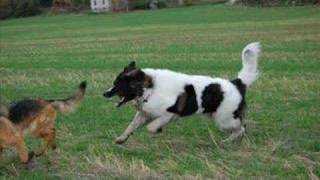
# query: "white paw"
121, 139
153, 129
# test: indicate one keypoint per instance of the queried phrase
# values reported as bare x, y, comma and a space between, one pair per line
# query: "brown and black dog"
35, 116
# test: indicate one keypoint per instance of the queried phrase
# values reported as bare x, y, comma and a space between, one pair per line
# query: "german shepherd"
35, 116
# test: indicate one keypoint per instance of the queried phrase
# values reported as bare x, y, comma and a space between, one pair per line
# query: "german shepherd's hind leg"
1, 149
19, 145
22, 150
48, 137
10, 137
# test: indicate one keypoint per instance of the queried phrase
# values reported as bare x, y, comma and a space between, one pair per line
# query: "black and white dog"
160, 95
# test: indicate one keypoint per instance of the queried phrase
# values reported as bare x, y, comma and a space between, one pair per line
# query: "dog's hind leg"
48, 137
22, 150
1, 150
12, 137
157, 124
139, 120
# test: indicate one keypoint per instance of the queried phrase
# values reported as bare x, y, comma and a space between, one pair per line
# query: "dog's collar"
144, 98
146, 95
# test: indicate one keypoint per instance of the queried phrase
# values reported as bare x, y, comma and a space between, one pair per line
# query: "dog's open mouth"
121, 101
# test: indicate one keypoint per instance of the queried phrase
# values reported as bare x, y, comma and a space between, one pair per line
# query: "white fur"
250, 55
168, 85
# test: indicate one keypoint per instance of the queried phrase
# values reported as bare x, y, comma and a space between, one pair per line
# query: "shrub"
84, 3
18, 8
64, 6
46, 3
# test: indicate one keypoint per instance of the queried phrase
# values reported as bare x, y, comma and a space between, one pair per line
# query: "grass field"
48, 56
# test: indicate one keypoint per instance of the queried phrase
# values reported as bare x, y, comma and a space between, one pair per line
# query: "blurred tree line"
20, 8
265, 3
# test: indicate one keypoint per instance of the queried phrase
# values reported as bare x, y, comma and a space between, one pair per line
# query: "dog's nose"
109, 93
106, 94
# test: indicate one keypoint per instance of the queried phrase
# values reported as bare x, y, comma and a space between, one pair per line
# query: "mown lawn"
48, 56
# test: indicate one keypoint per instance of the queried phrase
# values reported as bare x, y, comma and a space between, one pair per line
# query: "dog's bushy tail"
71, 103
250, 55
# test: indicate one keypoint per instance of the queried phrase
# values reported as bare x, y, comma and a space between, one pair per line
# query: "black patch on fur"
22, 109
212, 97
240, 86
240, 111
186, 103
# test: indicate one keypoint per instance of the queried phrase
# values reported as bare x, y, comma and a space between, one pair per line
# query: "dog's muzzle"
111, 92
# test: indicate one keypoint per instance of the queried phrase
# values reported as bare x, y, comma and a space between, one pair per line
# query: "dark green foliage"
139, 4
19, 8
46, 3
25, 7
77, 5
144, 4
278, 2
80, 2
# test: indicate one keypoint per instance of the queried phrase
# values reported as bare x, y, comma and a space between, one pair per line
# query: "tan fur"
70, 104
40, 124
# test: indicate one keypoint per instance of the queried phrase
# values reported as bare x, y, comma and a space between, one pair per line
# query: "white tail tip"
250, 54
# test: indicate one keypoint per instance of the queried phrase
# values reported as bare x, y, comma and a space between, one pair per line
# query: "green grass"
48, 56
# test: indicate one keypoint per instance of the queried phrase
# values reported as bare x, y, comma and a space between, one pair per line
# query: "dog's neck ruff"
144, 98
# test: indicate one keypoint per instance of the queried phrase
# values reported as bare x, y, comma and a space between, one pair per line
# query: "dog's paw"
54, 147
31, 155
28, 158
121, 139
154, 130
38, 154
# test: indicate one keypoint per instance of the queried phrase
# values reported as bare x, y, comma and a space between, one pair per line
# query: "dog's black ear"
135, 74
131, 66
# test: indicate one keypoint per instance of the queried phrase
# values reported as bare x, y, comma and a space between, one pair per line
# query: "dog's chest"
155, 105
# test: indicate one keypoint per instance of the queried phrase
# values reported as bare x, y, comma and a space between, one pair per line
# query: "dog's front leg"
156, 125
139, 120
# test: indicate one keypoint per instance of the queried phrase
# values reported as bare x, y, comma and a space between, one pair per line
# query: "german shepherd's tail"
70, 104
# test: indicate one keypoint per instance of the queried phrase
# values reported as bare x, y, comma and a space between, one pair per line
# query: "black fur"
83, 85
22, 109
240, 111
129, 84
212, 97
186, 103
